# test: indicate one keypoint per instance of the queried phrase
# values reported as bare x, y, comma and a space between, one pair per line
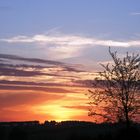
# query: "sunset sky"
51, 49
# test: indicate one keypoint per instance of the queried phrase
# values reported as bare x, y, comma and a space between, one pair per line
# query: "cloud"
1, 60
61, 46
68, 40
19, 98
52, 73
40, 86
83, 107
32, 76
16, 72
135, 13
33, 60
48, 63
25, 83
34, 88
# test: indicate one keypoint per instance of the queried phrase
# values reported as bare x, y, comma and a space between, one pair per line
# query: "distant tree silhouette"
116, 90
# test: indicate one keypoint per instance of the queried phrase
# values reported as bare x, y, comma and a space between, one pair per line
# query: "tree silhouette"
115, 93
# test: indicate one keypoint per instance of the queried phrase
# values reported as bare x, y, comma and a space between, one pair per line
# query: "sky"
51, 49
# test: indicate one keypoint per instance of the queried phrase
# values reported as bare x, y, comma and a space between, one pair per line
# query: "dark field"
68, 130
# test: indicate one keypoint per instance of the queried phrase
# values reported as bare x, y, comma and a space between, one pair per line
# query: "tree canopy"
115, 95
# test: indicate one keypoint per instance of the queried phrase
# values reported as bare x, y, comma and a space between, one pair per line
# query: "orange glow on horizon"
59, 113
40, 105
58, 94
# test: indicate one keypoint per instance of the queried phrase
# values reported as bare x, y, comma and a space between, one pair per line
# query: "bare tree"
115, 93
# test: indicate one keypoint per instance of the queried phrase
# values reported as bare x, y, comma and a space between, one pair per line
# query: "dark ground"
68, 130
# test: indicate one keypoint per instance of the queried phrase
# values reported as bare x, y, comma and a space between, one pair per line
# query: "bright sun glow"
58, 112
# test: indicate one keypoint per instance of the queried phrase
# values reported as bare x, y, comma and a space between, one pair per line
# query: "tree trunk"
127, 118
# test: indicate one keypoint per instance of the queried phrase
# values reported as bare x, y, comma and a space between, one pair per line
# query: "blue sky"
86, 16
69, 22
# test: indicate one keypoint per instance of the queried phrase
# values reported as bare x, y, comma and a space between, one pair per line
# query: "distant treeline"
67, 130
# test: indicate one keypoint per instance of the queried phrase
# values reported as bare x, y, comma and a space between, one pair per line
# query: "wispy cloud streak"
70, 40
135, 13
51, 73
33, 60
61, 46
